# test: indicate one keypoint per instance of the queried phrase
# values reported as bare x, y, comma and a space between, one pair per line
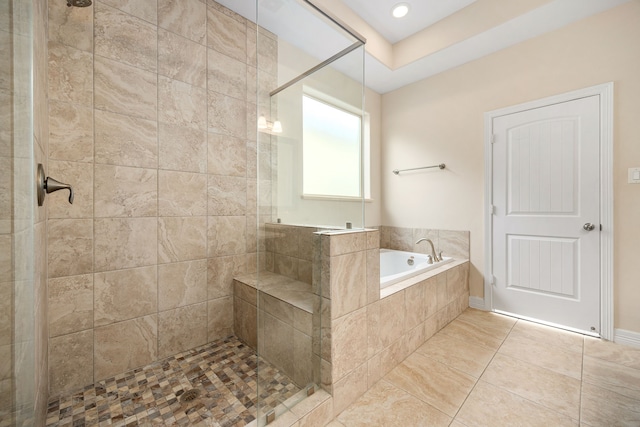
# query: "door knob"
588, 226
49, 185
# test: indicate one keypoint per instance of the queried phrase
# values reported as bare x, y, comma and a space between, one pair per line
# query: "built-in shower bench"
280, 311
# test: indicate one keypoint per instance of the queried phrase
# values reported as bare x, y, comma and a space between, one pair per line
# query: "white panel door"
546, 193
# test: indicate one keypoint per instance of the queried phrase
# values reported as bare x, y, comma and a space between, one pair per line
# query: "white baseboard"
631, 338
477, 302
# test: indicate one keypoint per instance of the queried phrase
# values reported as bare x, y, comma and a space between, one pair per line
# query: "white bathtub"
394, 266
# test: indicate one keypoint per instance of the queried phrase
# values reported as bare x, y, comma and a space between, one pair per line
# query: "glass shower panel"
17, 336
302, 54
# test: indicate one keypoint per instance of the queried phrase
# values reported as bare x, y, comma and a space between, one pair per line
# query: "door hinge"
493, 280
492, 210
493, 138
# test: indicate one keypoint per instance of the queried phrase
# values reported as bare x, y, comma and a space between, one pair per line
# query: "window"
331, 150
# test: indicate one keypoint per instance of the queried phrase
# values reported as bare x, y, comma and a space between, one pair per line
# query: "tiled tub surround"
452, 243
152, 120
362, 336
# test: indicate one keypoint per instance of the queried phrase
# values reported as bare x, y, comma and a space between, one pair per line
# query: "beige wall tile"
125, 294
220, 318
226, 75
226, 235
70, 131
349, 389
70, 72
70, 361
348, 342
123, 89
414, 305
145, 9
71, 26
267, 54
226, 34
347, 243
181, 104
185, 17
385, 322
172, 325
348, 283
425, 247
123, 191
125, 38
227, 155
80, 177
430, 303
245, 325
276, 342
226, 115
182, 148
125, 243
252, 44
125, 140
245, 292
181, 238
182, 193
122, 346
220, 274
279, 309
454, 243
401, 239
227, 195
69, 247
285, 266
70, 305
302, 359
181, 284
316, 410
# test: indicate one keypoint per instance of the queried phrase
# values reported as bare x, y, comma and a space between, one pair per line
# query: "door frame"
605, 92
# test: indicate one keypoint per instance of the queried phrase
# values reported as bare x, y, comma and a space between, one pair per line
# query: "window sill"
334, 198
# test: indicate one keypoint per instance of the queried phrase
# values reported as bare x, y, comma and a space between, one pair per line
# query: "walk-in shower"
184, 284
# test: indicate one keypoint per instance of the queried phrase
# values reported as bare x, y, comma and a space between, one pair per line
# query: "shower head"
79, 3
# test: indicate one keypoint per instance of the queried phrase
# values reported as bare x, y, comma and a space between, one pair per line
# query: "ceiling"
422, 13
436, 36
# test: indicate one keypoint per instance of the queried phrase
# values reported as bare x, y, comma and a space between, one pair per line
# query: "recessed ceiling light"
400, 10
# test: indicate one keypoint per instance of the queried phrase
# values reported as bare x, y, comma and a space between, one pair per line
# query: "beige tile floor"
485, 369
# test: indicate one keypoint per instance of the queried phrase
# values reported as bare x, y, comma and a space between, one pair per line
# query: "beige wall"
152, 120
440, 120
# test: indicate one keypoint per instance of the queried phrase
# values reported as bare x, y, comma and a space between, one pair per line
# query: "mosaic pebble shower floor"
223, 372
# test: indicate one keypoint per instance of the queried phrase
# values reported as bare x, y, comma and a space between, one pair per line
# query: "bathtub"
394, 266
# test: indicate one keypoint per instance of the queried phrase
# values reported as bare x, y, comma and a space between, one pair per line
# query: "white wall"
440, 120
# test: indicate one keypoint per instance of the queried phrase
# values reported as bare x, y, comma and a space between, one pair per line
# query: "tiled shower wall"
152, 120
452, 243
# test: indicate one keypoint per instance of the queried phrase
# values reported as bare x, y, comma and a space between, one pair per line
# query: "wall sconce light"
264, 124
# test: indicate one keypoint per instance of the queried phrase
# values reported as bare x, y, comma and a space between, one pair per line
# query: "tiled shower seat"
285, 323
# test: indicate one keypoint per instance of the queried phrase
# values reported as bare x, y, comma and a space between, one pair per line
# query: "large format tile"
122, 346
125, 192
554, 336
220, 274
182, 193
70, 132
494, 323
172, 325
226, 34
219, 318
612, 376
540, 353
181, 283
348, 283
125, 140
181, 104
125, 243
70, 306
226, 115
226, 235
386, 405
432, 382
473, 333
226, 75
547, 388
125, 38
182, 148
612, 352
71, 26
490, 406
226, 155
144, 9
227, 195
124, 294
124, 89
182, 238
80, 175
601, 407
185, 17
70, 72
349, 342
458, 354
69, 247
70, 361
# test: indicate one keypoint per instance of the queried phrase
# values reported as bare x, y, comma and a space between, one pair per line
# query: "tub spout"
435, 256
